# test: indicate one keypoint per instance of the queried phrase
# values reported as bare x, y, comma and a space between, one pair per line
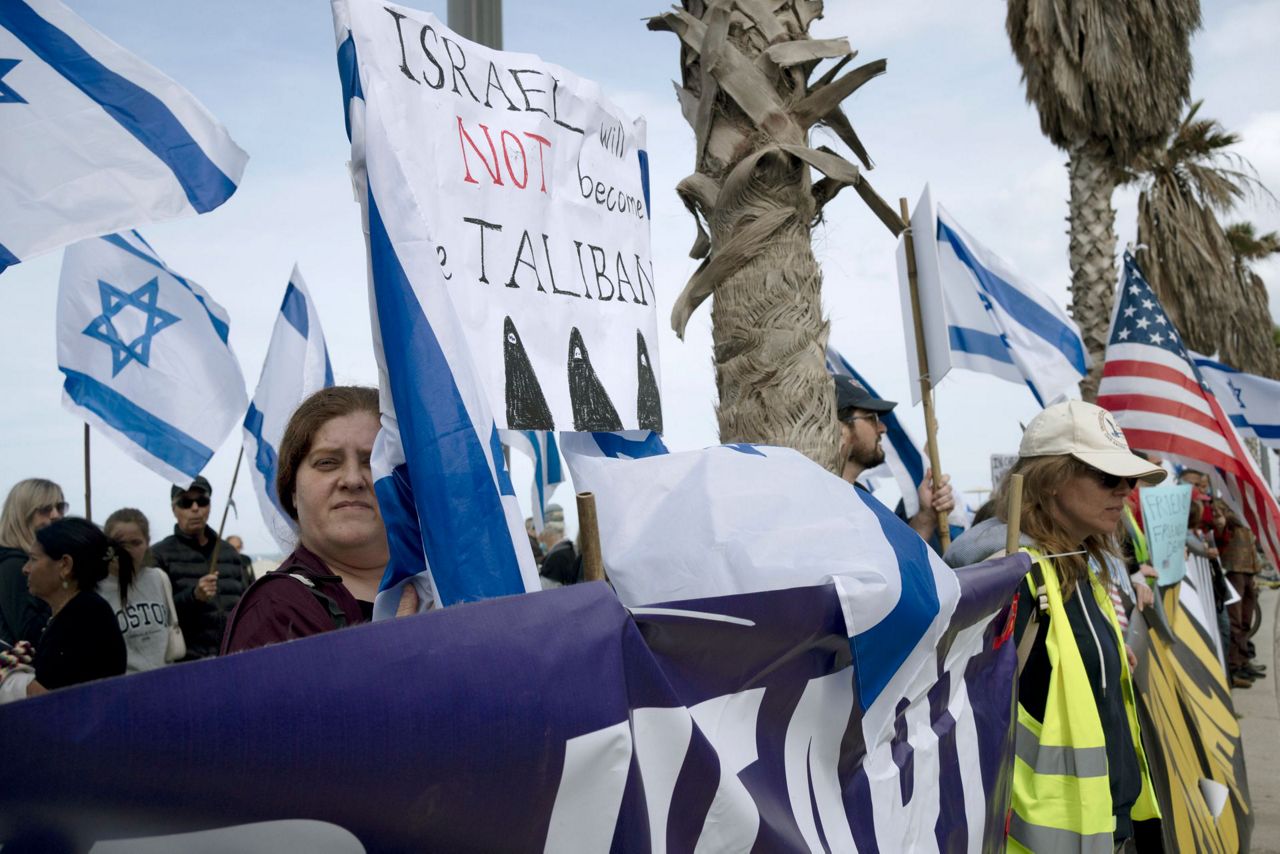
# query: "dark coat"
22, 616
186, 562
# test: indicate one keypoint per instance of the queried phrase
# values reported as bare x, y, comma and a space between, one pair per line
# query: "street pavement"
1259, 711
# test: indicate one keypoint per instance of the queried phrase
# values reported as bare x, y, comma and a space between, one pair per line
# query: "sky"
950, 111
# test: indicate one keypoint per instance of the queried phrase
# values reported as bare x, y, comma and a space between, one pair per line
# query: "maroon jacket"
279, 607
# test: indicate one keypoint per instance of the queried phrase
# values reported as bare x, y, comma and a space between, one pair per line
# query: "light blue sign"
1164, 518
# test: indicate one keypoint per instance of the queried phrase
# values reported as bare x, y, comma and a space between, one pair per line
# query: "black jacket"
22, 616
186, 562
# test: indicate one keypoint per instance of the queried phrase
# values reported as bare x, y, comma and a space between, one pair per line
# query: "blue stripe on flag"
1024, 310
349, 73
615, 446
7, 258
157, 437
1262, 431
555, 474
466, 540
881, 650
328, 369
138, 111
644, 179
265, 458
219, 325
294, 309
969, 340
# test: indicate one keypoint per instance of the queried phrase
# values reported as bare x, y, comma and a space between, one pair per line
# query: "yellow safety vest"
1140, 551
1061, 785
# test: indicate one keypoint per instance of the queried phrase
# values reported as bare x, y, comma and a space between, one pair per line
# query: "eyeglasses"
873, 417
186, 502
1111, 481
60, 507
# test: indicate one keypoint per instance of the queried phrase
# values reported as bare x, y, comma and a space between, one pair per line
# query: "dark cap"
200, 483
850, 394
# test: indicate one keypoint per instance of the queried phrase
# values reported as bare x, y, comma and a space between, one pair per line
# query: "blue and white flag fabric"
903, 460
763, 721
540, 447
1252, 403
997, 322
146, 355
296, 366
95, 140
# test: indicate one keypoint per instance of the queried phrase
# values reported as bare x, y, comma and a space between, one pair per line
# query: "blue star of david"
1238, 392
7, 95
114, 301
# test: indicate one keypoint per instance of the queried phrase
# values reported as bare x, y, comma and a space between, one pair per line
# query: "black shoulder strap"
331, 605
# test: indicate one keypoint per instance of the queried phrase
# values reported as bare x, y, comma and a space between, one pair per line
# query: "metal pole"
88, 487
477, 20
217, 543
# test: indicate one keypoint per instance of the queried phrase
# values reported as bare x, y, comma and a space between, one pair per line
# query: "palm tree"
1248, 247
1109, 79
1185, 252
748, 88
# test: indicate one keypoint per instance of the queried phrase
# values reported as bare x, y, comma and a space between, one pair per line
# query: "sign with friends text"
1164, 519
533, 190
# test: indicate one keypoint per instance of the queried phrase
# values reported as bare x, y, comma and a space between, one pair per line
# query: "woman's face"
1085, 505
1219, 519
44, 574
129, 535
47, 514
338, 515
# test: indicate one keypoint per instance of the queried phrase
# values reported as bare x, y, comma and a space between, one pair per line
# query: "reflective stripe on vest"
1061, 783
1140, 551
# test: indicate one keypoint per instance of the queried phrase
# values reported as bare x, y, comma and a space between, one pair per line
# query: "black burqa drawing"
592, 408
648, 401
526, 405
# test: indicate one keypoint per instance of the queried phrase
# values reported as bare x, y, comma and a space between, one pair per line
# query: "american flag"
1154, 390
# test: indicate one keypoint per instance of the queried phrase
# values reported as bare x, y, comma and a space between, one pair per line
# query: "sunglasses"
186, 502
48, 509
1111, 481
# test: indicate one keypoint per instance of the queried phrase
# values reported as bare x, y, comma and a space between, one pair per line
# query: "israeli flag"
297, 365
454, 526
903, 460
146, 356
540, 447
95, 140
1251, 402
1001, 324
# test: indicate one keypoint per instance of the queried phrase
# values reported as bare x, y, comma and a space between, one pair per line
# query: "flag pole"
217, 543
88, 487
1014, 533
589, 538
926, 383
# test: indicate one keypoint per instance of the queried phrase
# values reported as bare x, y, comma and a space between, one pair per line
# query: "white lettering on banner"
812, 750
591, 788
662, 740
729, 723
533, 189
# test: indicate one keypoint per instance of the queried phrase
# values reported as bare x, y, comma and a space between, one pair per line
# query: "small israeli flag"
540, 447
95, 140
297, 365
146, 356
1251, 402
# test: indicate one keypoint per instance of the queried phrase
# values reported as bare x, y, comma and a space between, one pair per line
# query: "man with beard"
860, 433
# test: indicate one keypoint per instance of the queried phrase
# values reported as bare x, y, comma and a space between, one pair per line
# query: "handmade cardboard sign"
533, 189
1000, 465
1164, 518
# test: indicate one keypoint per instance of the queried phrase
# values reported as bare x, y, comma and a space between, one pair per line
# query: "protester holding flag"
1240, 561
81, 642
30, 505
207, 574
1080, 779
325, 485
140, 594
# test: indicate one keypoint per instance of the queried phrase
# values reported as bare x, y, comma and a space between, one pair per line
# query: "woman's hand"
1133, 659
15, 658
408, 601
1143, 595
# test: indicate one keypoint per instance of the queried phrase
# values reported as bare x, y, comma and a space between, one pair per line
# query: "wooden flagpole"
926, 382
1014, 533
88, 485
589, 538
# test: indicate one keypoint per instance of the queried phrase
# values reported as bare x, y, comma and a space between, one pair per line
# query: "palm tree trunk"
768, 331
1093, 253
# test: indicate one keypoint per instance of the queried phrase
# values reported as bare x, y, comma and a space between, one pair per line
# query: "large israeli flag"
94, 139
297, 365
146, 355
540, 447
903, 460
1251, 402
1000, 323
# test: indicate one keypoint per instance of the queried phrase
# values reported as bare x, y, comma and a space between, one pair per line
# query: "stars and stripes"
1160, 400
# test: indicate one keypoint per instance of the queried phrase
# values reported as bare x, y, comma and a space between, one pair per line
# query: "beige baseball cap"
1090, 434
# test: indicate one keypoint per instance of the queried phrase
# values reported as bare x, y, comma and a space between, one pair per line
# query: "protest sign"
1164, 518
1000, 465
531, 189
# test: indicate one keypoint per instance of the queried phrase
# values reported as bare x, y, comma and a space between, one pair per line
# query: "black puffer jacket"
186, 562
22, 616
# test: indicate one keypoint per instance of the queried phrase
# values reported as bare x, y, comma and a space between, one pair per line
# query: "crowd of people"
79, 602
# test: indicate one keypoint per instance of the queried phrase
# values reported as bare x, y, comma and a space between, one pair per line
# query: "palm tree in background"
1109, 78
1248, 248
1186, 253
751, 92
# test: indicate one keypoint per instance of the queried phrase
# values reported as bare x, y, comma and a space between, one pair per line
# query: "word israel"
531, 190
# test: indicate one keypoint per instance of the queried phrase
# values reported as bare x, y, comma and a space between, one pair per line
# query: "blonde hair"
1042, 477
23, 500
